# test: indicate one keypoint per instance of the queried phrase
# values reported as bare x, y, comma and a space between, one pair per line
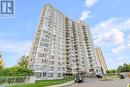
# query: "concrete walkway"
97, 83
62, 85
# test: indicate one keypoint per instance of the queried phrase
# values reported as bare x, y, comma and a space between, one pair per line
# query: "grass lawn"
111, 77
42, 83
107, 78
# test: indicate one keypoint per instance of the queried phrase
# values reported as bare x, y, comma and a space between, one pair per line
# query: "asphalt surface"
97, 83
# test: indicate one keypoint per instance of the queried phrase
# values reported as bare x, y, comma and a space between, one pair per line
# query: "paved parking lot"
97, 83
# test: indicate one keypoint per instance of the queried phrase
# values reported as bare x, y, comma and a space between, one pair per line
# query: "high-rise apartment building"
61, 46
101, 60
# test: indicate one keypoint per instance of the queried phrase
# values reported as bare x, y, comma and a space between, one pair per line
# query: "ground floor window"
60, 74
38, 74
50, 75
44, 74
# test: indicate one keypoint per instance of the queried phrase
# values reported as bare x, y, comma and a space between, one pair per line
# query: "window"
50, 75
40, 54
52, 57
37, 67
44, 74
44, 31
38, 75
59, 63
42, 44
91, 70
59, 68
51, 62
59, 74
54, 35
44, 35
43, 39
30, 66
42, 60
63, 69
50, 68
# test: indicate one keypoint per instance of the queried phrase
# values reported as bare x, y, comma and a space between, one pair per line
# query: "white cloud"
110, 31
128, 42
129, 45
119, 49
121, 60
117, 36
124, 25
84, 15
15, 47
14, 50
129, 37
90, 3
111, 36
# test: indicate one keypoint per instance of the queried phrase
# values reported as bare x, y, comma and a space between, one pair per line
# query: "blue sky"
109, 22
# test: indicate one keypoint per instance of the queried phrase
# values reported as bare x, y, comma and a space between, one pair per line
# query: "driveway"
97, 83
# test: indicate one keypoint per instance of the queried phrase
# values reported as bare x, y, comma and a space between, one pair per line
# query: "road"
97, 83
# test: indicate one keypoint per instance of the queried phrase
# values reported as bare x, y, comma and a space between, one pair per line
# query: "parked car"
122, 77
99, 76
78, 78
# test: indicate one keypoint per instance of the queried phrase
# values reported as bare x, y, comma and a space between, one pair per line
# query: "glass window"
59, 68
43, 39
44, 74
50, 68
59, 74
44, 31
40, 54
50, 75
59, 63
42, 44
51, 62
38, 75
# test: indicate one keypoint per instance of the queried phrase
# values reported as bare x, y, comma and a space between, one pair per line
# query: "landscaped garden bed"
43, 83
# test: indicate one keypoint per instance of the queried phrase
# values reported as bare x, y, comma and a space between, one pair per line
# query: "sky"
109, 22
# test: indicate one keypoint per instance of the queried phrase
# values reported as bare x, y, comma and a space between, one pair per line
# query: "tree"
124, 68
1, 62
111, 72
15, 71
23, 62
120, 69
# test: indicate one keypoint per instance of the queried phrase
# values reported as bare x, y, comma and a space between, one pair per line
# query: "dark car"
122, 77
78, 78
99, 76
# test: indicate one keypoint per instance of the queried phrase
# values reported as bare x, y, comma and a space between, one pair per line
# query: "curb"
62, 85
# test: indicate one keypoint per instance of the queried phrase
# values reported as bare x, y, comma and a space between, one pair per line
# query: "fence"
16, 79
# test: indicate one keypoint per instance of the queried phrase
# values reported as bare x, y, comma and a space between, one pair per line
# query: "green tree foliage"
111, 72
124, 68
1, 62
15, 71
23, 62
19, 70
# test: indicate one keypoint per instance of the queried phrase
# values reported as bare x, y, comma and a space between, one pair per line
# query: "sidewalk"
62, 85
